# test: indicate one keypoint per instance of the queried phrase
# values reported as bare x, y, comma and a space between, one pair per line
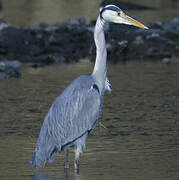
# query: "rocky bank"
73, 40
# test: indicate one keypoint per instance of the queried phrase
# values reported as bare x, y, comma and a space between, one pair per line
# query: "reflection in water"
40, 176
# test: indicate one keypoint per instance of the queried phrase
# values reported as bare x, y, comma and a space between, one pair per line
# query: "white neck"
99, 72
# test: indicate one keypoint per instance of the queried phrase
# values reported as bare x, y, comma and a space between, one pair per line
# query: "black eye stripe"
112, 8
96, 87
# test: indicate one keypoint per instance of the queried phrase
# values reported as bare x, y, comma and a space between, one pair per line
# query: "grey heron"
75, 113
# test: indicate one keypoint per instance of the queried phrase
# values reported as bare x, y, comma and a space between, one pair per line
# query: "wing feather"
74, 112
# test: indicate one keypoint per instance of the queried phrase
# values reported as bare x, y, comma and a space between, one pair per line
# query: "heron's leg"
76, 163
67, 165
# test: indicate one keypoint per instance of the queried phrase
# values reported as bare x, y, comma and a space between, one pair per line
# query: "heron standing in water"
75, 113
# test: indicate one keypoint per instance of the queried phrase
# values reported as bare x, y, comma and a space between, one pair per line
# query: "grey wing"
74, 113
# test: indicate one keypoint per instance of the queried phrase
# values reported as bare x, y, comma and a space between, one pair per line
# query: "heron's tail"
33, 162
46, 149
39, 159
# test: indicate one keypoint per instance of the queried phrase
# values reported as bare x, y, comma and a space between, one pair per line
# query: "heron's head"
112, 13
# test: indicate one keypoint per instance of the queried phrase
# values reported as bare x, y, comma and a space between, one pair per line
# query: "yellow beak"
133, 22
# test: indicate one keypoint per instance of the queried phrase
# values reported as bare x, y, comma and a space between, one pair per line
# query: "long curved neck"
99, 71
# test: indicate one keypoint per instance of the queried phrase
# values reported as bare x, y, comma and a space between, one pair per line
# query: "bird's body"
70, 119
75, 113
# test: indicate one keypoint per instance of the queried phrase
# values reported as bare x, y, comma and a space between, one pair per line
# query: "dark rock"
177, 50
166, 60
73, 40
3, 25
66, 42
156, 25
171, 28
18, 44
138, 41
37, 65
153, 36
177, 47
9, 69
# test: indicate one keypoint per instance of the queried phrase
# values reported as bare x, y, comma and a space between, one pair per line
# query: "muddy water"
141, 116
25, 12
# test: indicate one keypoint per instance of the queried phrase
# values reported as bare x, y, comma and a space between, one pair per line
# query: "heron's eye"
119, 13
